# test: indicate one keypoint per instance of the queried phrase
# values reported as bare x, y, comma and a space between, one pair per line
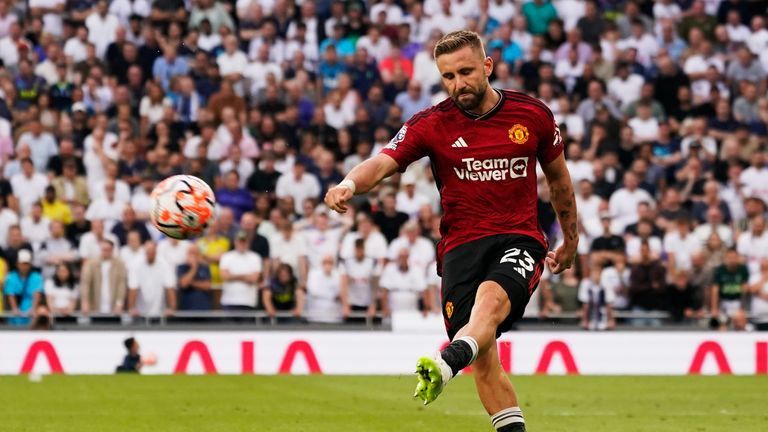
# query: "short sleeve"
406, 146
550, 141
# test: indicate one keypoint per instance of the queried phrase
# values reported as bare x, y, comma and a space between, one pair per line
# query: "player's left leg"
497, 393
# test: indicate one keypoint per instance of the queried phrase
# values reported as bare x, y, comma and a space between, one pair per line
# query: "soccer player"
483, 144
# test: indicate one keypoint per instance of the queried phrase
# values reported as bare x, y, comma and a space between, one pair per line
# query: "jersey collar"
488, 114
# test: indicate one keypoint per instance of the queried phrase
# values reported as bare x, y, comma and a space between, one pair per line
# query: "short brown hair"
457, 40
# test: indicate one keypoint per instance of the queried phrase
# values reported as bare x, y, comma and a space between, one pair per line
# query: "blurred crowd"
662, 106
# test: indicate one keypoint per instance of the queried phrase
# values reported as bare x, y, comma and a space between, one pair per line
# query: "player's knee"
492, 303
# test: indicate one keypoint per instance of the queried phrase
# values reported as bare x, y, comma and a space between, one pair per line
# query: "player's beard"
473, 101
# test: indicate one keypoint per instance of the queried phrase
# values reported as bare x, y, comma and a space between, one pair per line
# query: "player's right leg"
491, 307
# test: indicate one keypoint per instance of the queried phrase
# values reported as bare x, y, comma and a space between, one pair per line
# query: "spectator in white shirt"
61, 290
90, 242
28, 185
680, 245
232, 62
737, 32
107, 208
240, 272
580, 168
408, 201
35, 227
298, 184
714, 225
322, 239
403, 285
626, 86
101, 27
501, 10
323, 293
644, 236
289, 247
753, 245
359, 279
133, 251
151, 285
422, 251
623, 202
376, 44
374, 242
645, 127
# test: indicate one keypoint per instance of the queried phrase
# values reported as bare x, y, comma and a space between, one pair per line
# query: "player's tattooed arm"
563, 198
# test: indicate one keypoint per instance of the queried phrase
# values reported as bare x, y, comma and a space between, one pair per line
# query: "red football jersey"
484, 166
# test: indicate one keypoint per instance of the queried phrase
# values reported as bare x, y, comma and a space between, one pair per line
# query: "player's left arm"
564, 203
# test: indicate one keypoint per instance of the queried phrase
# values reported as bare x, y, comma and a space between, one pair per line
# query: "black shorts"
513, 261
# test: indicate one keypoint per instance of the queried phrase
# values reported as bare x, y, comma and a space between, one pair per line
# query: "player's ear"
488, 66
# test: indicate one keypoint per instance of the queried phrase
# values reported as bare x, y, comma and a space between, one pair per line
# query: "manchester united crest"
518, 134
449, 309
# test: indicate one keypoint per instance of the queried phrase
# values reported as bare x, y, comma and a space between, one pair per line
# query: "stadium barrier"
382, 353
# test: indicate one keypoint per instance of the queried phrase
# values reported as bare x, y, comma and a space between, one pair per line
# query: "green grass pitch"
373, 404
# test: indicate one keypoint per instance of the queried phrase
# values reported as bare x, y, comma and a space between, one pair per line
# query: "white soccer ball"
182, 206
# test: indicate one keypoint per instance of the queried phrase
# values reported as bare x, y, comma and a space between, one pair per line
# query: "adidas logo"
459, 143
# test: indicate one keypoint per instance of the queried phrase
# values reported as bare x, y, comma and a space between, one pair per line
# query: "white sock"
507, 417
445, 370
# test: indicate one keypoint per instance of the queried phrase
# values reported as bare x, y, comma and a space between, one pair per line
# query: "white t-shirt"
110, 212
28, 189
682, 248
90, 247
288, 251
101, 31
151, 280
634, 243
404, 287
422, 251
132, 257
410, 205
323, 291
238, 293
626, 91
60, 295
360, 274
623, 205
176, 254
581, 170
232, 63
755, 182
375, 245
321, 243
613, 280
7, 218
75, 49
702, 232
754, 248
52, 22
378, 50
306, 187
36, 232
645, 130
105, 305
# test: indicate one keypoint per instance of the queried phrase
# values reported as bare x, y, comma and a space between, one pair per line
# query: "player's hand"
336, 198
560, 259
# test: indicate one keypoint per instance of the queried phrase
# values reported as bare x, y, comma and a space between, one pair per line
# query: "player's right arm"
360, 179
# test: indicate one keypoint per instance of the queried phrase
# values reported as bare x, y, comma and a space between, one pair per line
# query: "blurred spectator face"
150, 250
327, 264
28, 167
321, 220
411, 231
732, 259
106, 250
231, 180
630, 181
57, 229
97, 227
595, 91
15, 238
133, 240
109, 189
714, 216
226, 218
298, 170
758, 225
644, 229
680, 280
193, 254
402, 259
645, 252
585, 188
37, 211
